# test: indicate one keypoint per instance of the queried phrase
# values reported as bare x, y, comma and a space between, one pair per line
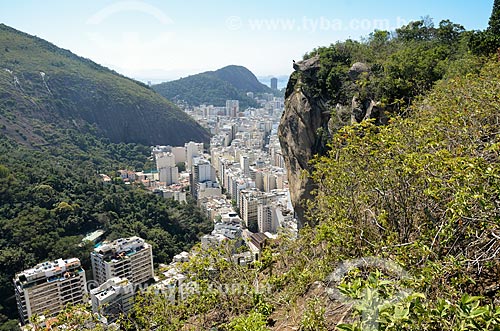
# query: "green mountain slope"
214, 87
241, 78
43, 85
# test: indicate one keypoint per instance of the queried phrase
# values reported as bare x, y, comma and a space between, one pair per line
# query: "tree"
379, 38
488, 41
181, 166
494, 23
10, 325
449, 32
417, 30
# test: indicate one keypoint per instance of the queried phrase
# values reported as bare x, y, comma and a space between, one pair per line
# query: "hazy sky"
161, 40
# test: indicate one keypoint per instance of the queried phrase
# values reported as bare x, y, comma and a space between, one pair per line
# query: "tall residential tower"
48, 287
130, 258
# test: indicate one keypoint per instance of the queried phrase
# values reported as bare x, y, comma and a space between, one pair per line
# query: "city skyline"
158, 41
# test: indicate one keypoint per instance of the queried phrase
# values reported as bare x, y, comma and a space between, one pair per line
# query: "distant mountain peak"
215, 87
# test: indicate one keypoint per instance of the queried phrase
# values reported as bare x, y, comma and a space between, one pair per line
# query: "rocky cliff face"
302, 130
310, 119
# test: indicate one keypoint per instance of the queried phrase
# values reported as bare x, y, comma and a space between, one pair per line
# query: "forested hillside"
51, 198
215, 87
42, 86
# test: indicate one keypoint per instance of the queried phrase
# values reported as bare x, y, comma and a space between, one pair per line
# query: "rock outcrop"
357, 69
363, 108
303, 131
310, 119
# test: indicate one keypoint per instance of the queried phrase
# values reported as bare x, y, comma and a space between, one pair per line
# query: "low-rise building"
112, 298
229, 228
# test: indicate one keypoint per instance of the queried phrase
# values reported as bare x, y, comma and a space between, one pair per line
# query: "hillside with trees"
214, 87
51, 198
43, 86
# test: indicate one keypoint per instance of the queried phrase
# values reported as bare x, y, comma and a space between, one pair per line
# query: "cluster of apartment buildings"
243, 172
241, 184
167, 180
118, 269
246, 162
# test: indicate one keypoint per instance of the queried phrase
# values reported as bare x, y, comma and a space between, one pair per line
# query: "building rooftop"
121, 248
259, 237
93, 236
50, 271
111, 287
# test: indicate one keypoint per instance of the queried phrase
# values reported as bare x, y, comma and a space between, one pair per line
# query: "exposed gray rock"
357, 69
307, 124
362, 110
308, 67
303, 131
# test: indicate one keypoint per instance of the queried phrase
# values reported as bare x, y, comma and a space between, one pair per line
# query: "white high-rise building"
259, 180
232, 108
168, 172
112, 298
245, 165
267, 219
165, 160
248, 203
269, 182
169, 175
179, 153
192, 150
130, 258
201, 171
48, 287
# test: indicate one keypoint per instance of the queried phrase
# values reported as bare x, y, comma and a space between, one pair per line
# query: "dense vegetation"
406, 215
214, 87
400, 65
484, 42
42, 85
50, 198
424, 192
